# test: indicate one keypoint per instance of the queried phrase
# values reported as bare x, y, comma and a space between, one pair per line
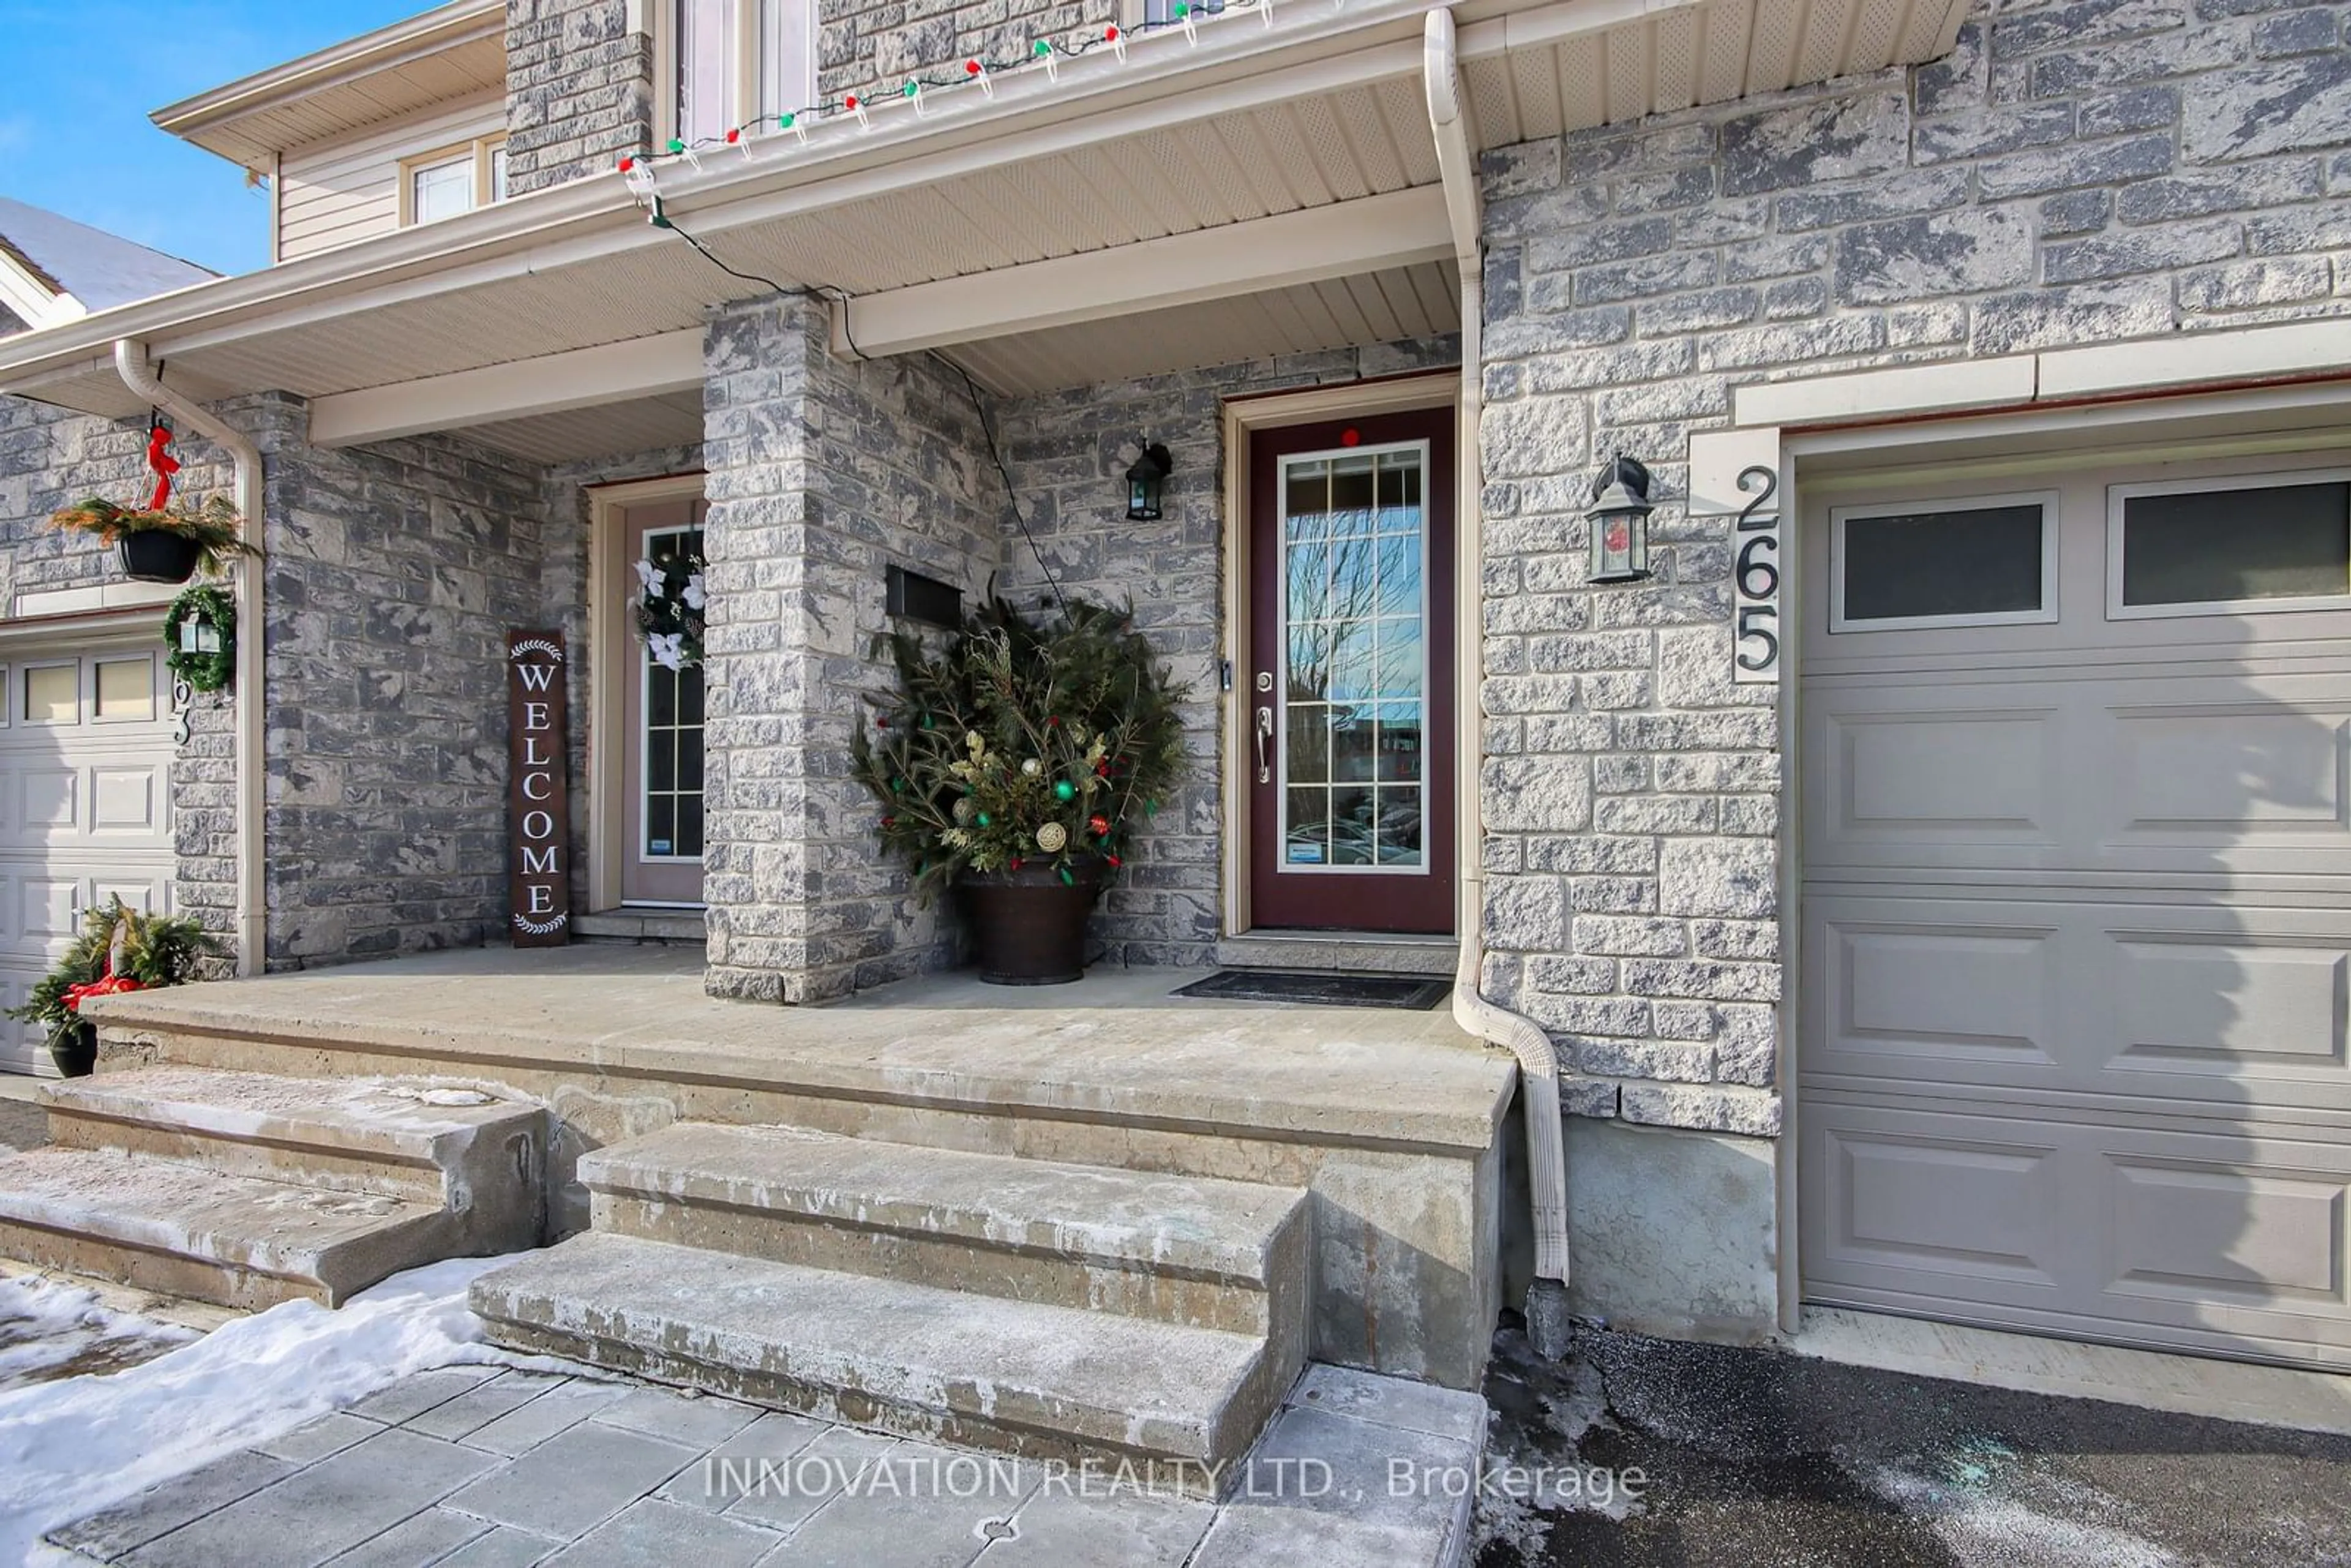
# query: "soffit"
315, 101
1678, 58
610, 430
1382, 306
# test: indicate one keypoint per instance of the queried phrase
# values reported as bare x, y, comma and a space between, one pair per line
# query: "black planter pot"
1030, 926
154, 555
75, 1051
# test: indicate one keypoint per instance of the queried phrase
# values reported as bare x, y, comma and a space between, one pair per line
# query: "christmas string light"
975, 72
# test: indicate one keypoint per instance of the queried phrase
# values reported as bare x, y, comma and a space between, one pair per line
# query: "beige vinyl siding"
348, 189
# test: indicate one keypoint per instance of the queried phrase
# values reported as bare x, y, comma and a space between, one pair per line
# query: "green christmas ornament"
1064, 789
983, 819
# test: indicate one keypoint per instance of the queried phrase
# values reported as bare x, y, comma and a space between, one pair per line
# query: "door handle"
1264, 734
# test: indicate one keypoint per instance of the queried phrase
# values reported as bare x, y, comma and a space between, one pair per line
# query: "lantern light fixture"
1146, 482
1619, 516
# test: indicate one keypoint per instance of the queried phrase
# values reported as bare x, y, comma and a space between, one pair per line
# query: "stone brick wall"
1069, 453
579, 89
862, 44
48, 458
2076, 171
394, 574
821, 473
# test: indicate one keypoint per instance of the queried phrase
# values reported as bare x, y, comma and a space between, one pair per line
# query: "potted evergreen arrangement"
116, 949
163, 542
1013, 763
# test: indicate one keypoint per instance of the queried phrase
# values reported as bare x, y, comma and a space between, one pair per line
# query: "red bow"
162, 461
104, 986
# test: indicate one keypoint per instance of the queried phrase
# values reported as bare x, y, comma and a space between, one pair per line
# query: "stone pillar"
821, 473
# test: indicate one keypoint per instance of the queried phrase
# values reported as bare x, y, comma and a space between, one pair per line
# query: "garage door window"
1987, 561
2230, 546
52, 694
126, 690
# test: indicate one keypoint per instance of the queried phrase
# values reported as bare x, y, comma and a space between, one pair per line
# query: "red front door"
1350, 675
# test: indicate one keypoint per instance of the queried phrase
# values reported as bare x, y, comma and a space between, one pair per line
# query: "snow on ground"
71, 1447
50, 1330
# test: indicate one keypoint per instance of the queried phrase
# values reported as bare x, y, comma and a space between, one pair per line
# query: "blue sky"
80, 76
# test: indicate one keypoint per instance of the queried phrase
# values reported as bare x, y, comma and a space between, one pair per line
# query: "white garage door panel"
85, 814
2226, 1239
2240, 1007
2251, 781
2075, 995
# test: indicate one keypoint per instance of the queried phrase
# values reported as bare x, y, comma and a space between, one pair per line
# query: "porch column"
821, 473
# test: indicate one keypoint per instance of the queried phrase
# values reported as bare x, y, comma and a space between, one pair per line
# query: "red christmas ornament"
1052, 722
1100, 825
1350, 436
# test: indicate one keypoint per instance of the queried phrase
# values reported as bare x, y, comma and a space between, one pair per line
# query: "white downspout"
1546, 1307
139, 374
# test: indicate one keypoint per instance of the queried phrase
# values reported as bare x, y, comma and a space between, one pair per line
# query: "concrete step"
436, 1143
1340, 952
1048, 1382
1183, 1250
182, 1230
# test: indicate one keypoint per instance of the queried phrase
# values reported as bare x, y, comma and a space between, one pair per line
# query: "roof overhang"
1269, 115
449, 52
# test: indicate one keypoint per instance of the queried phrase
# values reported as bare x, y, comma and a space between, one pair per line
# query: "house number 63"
1755, 581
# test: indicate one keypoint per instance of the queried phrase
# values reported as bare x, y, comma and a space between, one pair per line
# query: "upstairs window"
453, 179
733, 61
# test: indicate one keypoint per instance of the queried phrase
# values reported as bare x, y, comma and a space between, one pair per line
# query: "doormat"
1410, 992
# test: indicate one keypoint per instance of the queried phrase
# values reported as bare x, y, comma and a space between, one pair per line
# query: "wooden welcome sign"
538, 796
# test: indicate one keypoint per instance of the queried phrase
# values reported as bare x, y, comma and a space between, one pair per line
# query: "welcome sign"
539, 815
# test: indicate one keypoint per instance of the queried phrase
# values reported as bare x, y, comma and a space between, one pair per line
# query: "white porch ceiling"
609, 430
1369, 308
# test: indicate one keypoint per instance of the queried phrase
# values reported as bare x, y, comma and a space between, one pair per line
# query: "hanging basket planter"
164, 543
154, 556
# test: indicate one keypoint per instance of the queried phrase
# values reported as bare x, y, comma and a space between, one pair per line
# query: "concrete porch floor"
1117, 1040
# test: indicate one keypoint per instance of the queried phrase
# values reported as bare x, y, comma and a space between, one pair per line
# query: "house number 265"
1755, 582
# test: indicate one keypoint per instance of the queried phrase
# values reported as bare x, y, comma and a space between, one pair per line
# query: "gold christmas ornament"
963, 811
1052, 838
1032, 767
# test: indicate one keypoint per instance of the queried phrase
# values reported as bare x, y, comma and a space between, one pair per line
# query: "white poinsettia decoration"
669, 608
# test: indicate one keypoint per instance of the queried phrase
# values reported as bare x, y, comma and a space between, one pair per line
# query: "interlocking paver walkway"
485, 1468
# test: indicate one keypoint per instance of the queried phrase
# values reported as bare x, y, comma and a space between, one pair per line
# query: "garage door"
85, 809
2076, 904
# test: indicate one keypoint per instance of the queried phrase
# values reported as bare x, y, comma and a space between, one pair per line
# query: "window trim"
2050, 503
2118, 495
661, 20
477, 150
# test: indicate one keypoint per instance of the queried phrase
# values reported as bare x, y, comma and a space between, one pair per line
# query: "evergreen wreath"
203, 672
670, 608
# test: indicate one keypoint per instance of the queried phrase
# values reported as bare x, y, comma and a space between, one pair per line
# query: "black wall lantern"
1620, 522
1144, 482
